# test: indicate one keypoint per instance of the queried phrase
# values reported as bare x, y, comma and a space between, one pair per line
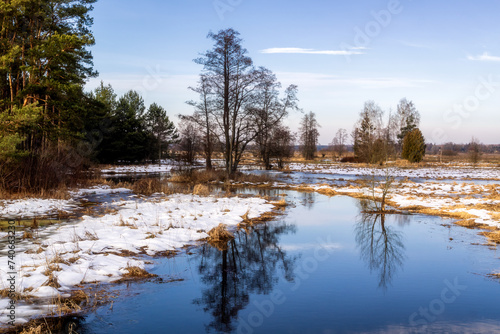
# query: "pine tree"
161, 127
44, 64
414, 146
408, 119
128, 139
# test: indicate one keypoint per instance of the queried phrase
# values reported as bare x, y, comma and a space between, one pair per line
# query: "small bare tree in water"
379, 193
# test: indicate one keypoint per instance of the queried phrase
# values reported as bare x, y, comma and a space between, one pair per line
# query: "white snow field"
100, 249
448, 172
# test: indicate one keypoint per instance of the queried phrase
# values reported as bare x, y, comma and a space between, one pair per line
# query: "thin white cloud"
313, 51
314, 80
414, 45
484, 57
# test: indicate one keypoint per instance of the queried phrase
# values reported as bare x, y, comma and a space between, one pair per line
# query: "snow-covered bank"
100, 249
163, 167
476, 203
29, 208
437, 173
34, 207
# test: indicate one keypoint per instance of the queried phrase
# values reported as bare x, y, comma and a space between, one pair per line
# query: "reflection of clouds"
310, 246
486, 326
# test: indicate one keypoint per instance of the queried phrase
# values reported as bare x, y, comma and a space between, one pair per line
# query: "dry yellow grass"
137, 272
469, 223
35, 329
328, 192
27, 235
201, 190
61, 192
207, 176
493, 236
52, 280
148, 186
220, 234
281, 203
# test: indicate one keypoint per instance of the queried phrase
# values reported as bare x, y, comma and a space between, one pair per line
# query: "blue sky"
442, 55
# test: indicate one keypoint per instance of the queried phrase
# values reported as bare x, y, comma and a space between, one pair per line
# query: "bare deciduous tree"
309, 135
282, 144
190, 138
474, 151
269, 110
339, 142
233, 81
204, 117
238, 96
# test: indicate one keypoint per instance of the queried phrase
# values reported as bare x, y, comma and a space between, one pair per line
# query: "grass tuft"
137, 272
201, 190
493, 236
220, 234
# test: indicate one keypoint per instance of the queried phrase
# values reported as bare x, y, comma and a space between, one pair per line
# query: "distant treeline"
451, 149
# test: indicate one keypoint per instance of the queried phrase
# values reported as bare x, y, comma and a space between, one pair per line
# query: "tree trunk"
159, 151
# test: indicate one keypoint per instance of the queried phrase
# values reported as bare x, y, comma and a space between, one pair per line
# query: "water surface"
323, 267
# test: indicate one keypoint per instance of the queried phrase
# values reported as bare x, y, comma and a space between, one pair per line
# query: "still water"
322, 267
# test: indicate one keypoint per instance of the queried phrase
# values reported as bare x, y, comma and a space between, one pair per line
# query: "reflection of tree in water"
403, 220
308, 199
249, 264
380, 245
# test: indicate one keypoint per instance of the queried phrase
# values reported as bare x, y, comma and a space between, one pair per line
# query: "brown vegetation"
493, 236
208, 176
201, 190
136, 272
220, 234
148, 186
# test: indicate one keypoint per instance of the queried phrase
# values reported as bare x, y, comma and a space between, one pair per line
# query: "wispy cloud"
484, 57
326, 80
414, 45
354, 51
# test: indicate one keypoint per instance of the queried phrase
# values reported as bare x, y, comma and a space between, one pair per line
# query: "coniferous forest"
51, 130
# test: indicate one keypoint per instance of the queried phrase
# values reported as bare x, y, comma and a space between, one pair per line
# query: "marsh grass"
148, 186
201, 190
219, 175
135, 273
493, 237
469, 223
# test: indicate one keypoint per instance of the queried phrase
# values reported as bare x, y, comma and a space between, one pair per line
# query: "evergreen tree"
414, 146
45, 61
128, 139
408, 119
162, 129
364, 134
106, 95
44, 64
